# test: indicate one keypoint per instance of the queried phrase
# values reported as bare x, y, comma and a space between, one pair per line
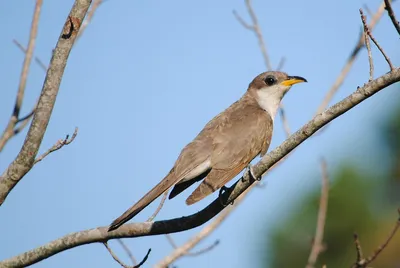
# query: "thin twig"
317, 246
282, 113
384, 245
362, 262
281, 64
392, 16
257, 31
368, 45
242, 22
284, 120
358, 250
349, 63
37, 60
375, 42
57, 146
151, 218
203, 250
9, 130
127, 250
89, 16
115, 257
368, 10
192, 254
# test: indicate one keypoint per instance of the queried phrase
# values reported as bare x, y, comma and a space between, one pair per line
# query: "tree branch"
392, 16
362, 262
151, 218
37, 60
368, 45
368, 32
349, 63
9, 131
57, 146
26, 157
255, 27
128, 252
89, 17
115, 257
323, 208
100, 234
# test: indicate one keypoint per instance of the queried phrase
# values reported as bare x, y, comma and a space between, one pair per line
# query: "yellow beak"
291, 80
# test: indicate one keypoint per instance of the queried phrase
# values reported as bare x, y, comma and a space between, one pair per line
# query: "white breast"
269, 99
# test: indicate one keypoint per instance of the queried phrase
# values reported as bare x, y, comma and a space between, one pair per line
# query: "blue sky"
142, 81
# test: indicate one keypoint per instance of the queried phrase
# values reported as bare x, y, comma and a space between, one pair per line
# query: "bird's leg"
249, 169
221, 192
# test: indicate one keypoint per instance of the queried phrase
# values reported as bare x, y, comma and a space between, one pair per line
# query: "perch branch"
101, 234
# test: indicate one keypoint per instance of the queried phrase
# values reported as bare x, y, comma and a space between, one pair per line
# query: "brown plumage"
225, 146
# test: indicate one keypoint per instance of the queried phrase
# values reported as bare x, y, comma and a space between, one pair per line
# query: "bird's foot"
249, 169
221, 192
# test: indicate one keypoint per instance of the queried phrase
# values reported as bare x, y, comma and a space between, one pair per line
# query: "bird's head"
269, 88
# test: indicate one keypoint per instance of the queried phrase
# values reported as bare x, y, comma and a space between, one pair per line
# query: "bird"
226, 145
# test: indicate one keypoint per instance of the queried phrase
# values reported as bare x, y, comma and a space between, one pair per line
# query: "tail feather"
183, 185
158, 190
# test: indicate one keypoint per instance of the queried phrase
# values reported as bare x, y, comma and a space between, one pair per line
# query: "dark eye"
270, 80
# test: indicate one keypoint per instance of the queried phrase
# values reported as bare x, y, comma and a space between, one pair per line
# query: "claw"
251, 173
221, 191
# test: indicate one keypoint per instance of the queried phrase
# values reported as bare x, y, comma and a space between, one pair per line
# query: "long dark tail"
158, 190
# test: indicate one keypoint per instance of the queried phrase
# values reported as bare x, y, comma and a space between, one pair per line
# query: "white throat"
269, 99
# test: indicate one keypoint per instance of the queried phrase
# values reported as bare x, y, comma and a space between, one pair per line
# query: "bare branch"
349, 63
242, 22
284, 120
37, 60
9, 130
368, 32
26, 157
323, 208
128, 252
390, 11
101, 234
89, 17
368, 45
362, 262
384, 245
159, 206
368, 10
359, 250
281, 64
257, 31
57, 146
192, 254
115, 257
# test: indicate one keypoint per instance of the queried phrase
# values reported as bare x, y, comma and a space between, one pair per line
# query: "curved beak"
291, 80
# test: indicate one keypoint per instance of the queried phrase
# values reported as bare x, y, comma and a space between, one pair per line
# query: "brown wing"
245, 134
